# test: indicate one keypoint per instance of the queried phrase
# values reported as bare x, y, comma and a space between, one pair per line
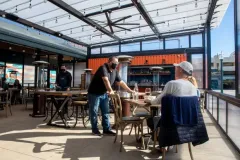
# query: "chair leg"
143, 144
163, 153
116, 133
155, 140
122, 128
10, 109
176, 149
6, 110
131, 130
190, 151
76, 117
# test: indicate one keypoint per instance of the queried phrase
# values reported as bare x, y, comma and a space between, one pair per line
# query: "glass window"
223, 52
110, 49
29, 75
95, 51
197, 62
152, 45
177, 42
196, 40
13, 71
233, 123
2, 69
130, 47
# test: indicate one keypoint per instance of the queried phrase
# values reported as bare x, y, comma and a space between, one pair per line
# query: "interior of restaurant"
148, 37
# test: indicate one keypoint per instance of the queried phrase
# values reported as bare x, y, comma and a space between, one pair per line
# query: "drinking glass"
148, 91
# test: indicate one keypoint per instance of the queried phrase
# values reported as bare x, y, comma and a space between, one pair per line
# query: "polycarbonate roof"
167, 16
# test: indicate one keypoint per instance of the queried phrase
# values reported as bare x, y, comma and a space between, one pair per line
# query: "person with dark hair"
16, 94
64, 79
98, 91
63, 82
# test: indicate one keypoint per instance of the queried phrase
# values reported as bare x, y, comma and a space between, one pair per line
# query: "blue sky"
222, 38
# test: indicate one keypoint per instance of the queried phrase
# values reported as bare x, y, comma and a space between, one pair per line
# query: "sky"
222, 38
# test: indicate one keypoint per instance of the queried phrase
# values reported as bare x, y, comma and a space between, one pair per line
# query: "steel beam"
142, 10
211, 11
22, 21
110, 9
64, 6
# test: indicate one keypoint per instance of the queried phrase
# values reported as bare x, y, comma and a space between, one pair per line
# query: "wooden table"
58, 104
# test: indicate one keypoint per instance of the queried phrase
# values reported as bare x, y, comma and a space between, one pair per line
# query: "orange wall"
94, 63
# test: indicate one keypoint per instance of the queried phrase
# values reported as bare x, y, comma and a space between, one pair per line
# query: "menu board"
29, 75
11, 76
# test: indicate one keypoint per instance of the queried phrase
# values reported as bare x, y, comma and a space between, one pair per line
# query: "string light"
84, 13
157, 13
71, 31
176, 9
101, 35
125, 32
140, 17
124, 21
43, 23
30, 5
101, 8
119, 5
139, 28
16, 9
168, 24
69, 16
200, 16
184, 20
56, 20
82, 28
196, 5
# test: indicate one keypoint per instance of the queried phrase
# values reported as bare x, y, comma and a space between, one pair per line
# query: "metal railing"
225, 110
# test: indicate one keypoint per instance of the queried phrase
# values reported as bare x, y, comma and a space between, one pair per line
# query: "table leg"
58, 107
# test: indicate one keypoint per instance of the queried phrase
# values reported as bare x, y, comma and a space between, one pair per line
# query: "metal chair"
122, 122
81, 104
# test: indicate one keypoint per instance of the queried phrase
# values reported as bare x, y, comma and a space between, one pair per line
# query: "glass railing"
225, 110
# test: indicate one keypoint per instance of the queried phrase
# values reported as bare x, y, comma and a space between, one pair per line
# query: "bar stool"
82, 105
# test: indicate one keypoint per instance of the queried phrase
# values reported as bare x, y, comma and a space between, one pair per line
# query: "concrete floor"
26, 138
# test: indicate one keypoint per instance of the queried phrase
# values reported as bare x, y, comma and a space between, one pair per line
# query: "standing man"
98, 91
63, 82
64, 79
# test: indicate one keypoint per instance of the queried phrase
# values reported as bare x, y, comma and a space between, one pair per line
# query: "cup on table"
148, 91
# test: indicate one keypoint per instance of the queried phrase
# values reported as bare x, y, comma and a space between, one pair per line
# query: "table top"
61, 93
141, 103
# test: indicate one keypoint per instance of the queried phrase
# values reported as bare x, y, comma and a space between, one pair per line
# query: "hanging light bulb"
139, 28
168, 24
125, 32
124, 21
184, 20
101, 35
84, 13
56, 20
196, 5
30, 4
157, 13
101, 8
200, 16
176, 9
82, 28
16, 9
71, 31
43, 23
198, 29
140, 17
69, 16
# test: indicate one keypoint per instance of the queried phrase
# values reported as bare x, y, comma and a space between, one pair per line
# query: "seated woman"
16, 94
179, 87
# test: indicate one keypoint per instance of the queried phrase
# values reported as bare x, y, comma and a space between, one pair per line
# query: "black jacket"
179, 134
64, 79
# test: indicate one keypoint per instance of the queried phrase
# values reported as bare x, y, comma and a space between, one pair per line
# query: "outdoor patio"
24, 137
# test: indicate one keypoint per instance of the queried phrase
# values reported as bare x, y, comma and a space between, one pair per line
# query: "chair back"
117, 106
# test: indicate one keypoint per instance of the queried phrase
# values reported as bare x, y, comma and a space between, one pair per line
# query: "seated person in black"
16, 94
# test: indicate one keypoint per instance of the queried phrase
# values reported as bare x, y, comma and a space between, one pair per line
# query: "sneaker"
97, 133
109, 132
